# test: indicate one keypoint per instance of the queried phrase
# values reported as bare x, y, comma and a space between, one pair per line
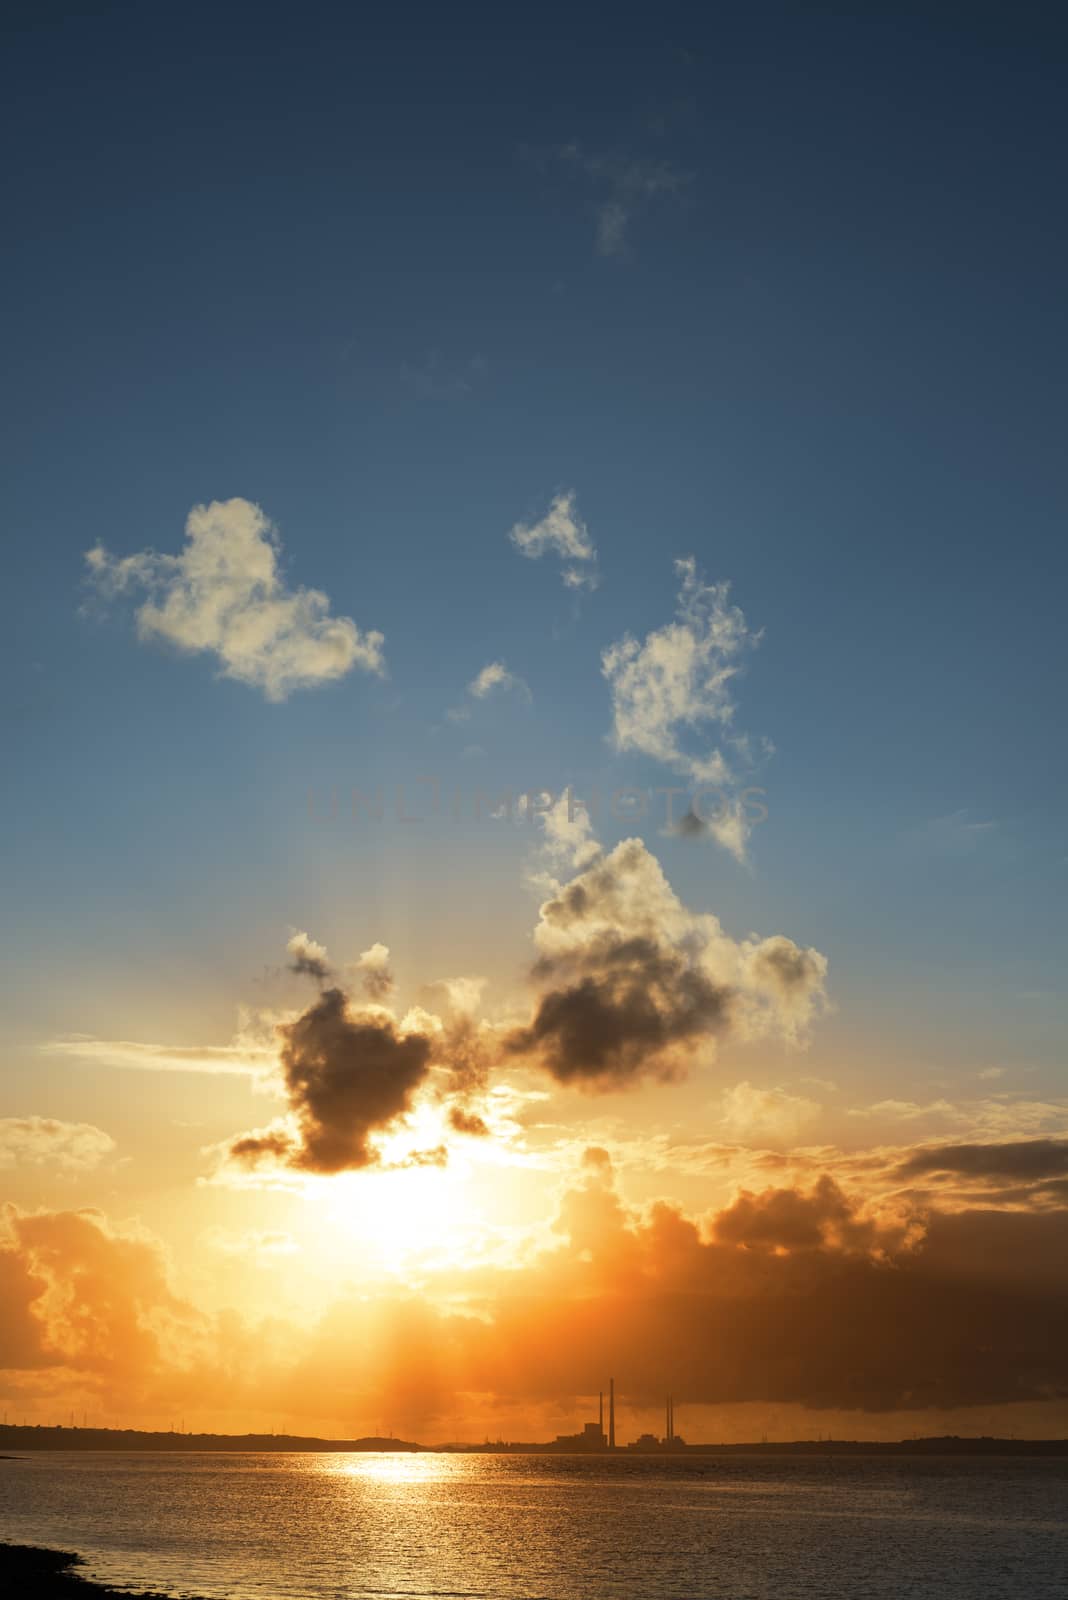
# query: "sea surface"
256, 1527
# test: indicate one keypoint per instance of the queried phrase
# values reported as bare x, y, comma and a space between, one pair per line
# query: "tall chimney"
611, 1413
667, 1421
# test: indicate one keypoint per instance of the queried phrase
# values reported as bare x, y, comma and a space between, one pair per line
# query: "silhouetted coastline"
32, 1572
22, 1438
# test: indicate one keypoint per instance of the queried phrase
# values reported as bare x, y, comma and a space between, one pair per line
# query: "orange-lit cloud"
794, 1295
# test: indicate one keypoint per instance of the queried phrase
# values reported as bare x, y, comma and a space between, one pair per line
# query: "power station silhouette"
593, 1436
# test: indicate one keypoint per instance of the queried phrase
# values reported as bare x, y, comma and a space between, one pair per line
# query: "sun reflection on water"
400, 1467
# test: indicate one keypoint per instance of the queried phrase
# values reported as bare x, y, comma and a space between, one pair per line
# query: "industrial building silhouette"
593, 1436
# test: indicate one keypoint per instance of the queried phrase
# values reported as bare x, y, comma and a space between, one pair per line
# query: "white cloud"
569, 839
374, 971
244, 1058
494, 678
224, 594
953, 835
679, 681
563, 532
35, 1141
495, 675
748, 1112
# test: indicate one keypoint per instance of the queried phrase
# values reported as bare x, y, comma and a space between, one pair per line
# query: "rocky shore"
29, 1572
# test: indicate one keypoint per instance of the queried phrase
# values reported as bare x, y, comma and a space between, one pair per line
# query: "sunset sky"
633, 466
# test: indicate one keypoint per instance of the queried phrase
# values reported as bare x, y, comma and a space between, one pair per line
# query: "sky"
532, 654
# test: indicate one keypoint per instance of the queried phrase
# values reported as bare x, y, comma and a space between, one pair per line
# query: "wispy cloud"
624, 188
561, 532
258, 1243
494, 679
678, 682
224, 595
41, 1141
240, 1059
435, 377
957, 834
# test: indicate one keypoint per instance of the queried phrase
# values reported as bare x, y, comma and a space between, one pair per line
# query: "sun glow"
413, 1218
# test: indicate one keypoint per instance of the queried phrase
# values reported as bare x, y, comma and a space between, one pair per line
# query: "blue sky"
372, 284
765, 296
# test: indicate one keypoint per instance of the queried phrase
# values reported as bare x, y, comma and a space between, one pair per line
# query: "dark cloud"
620, 1022
467, 1049
792, 1296
1027, 1160
635, 985
254, 1147
790, 1219
466, 1055
461, 1120
347, 1075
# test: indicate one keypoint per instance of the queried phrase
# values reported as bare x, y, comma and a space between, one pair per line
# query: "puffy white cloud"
224, 595
374, 971
35, 1141
562, 532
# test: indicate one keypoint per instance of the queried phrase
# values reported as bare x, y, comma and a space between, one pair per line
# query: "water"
367, 1527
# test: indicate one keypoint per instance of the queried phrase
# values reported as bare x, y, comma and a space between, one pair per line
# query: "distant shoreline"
23, 1439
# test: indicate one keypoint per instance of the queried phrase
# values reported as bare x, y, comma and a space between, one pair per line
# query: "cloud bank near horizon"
794, 1295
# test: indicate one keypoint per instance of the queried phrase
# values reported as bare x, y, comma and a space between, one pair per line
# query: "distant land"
23, 1438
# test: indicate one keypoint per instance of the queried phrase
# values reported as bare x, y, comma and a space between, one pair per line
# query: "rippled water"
708, 1528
